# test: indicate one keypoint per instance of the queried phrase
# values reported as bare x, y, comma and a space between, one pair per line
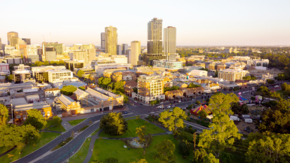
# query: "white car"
179, 101
168, 106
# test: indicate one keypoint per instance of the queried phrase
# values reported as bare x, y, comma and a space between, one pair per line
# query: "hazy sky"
198, 22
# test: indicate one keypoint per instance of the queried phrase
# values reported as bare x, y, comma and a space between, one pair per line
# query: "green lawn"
132, 125
105, 148
55, 128
75, 122
26, 149
82, 153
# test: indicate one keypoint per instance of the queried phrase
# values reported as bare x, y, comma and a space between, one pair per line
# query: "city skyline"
198, 23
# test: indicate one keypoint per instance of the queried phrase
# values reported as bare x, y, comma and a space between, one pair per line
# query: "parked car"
124, 112
168, 106
179, 101
248, 129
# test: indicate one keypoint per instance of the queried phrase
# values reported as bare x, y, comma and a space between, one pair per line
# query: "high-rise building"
27, 40
0, 44
154, 43
135, 52
103, 41
10, 35
170, 43
111, 40
50, 53
59, 47
119, 49
125, 48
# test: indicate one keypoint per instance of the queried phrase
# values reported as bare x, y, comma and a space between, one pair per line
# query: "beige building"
111, 40
10, 36
170, 43
232, 74
135, 52
150, 88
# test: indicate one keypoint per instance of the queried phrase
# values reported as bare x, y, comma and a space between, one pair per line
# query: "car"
179, 101
248, 129
124, 112
168, 106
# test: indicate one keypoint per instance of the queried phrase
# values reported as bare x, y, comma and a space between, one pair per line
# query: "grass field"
26, 149
95, 132
105, 148
82, 153
132, 125
75, 122
55, 128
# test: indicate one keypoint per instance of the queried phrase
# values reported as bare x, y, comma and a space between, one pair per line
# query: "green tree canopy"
113, 124
268, 147
3, 115
119, 86
191, 85
11, 135
201, 156
171, 88
80, 73
165, 152
36, 119
202, 114
56, 121
82, 88
264, 91
10, 78
106, 82
173, 120
143, 137
222, 103
31, 134
68, 90
100, 81
221, 134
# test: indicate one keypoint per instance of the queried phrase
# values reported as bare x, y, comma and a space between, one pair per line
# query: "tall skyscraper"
170, 42
103, 41
154, 43
27, 40
10, 35
135, 52
125, 48
119, 49
111, 40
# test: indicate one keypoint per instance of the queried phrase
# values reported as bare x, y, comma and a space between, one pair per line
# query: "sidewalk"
91, 147
66, 125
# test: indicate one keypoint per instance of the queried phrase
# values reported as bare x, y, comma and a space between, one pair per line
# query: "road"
43, 155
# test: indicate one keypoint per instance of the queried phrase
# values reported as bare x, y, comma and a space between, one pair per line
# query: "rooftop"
66, 100
38, 105
18, 101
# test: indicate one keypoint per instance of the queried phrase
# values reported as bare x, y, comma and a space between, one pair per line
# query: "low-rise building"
172, 65
20, 111
198, 73
52, 92
68, 104
55, 76
4, 69
125, 75
232, 74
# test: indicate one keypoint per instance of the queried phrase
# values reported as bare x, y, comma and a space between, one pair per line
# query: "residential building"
52, 92
85, 56
108, 73
149, 88
135, 52
111, 40
123, 76
74, 65
232, 74
154, 43
170, 43
11, 35
32, 53
58, 47
11, 51
102, 65
129, 86
55, 76
125, 48
119, 49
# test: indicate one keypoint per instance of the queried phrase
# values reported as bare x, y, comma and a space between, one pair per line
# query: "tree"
11, 136
202, 114
56, 121
3, 114
31, 134
270, 81
100, 81
114, 124
165, 152
173, 120
264, 91
135, 90
106, 82
119, 86
80, 73
222, 102
221, 134
68, 90
111, 86
35, 119
82, 88
197, 102
143, 138
201, 156
191, 85
240, 109
10, 78
268, 147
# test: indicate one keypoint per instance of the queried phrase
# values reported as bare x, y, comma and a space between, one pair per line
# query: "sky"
198, 22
